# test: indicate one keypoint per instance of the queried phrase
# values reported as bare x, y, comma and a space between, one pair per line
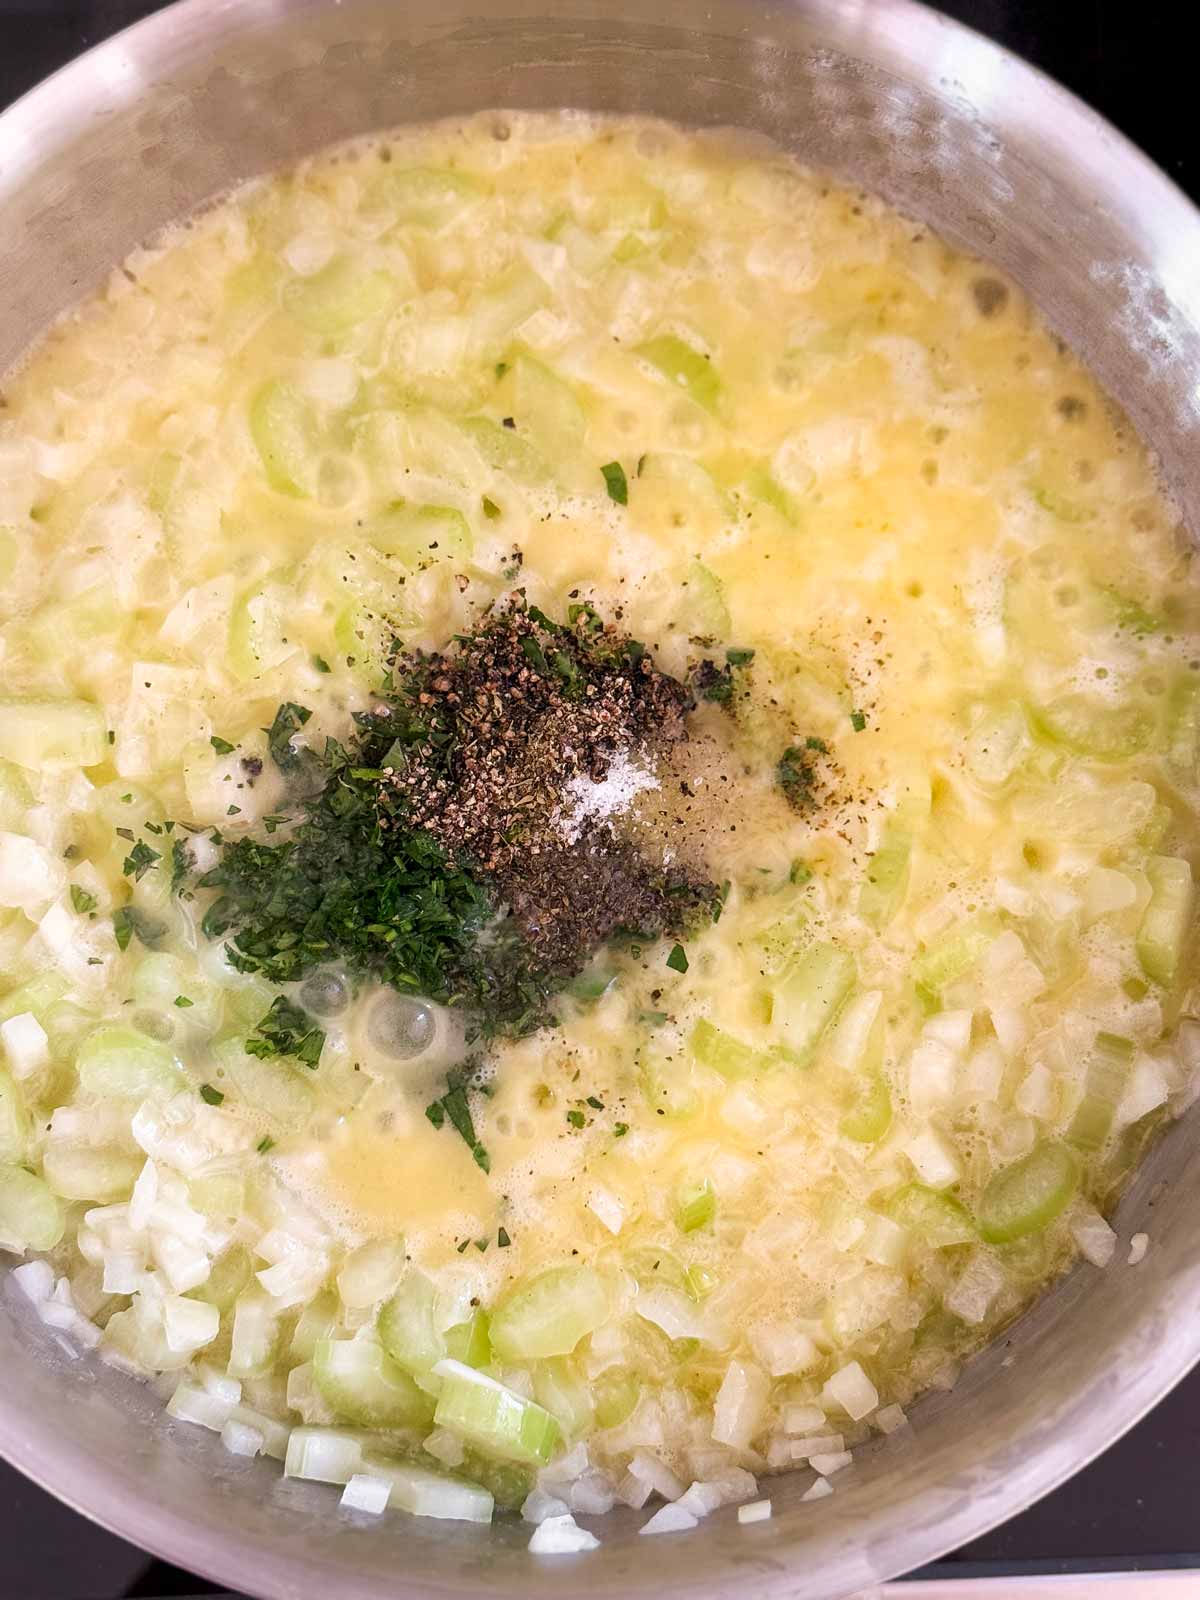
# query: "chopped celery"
317, 1321
31, 1215
549, 1314
950, 958
500, 311
86, 1172
715, 1048
15, 795
324, 1455
364, 1385
543, 406
684, 366
424, 1493
561, 1389
1167, 917
470, 1342
704, 611
936, 1218
869, 1115
38, 996
122, 1062
1130, 614
672, 495
284, 432
269, 1084
14, 1121
426, 197
615, 1394
407, 1325
758, 487
254, 1335
493, 1418
260, 636
1106, 1076
1183, 726
47, 735
886, 883
667, 1085
339, 297
1027, 1196
504, 450
1065, 510
418, 534
808, 996
1091, 728
230, 1275
696, 1207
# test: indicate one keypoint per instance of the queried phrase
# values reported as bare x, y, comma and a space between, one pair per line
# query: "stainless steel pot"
997, 158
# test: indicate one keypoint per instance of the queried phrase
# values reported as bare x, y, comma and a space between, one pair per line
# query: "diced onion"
850, 1388
561, 1536
669, 1519
755, 1511
365, 1493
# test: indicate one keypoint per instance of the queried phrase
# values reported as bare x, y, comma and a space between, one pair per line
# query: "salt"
586, 801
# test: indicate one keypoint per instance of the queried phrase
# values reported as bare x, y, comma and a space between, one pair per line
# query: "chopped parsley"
857, 721
677, 960
454, 1108
289, 719
797, 775
264, 1144
128, 920
210, 1096
653, 1019
287, 1030
620, 1129
575, 1117
321, 665
82, 900
739, 658
616, 482
491, 511
139, 860
502, 1238
222, 746
182, 1001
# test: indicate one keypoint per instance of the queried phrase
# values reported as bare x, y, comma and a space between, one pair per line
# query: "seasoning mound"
523, 746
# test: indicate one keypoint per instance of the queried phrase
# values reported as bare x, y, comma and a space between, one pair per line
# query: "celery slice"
31, 1216
424, 1493
715, 1048
543, 406
886, 884
696, 1208
14, 1121
494, 1419
950, 958
684, 366
418, 534
254, 1335
1167, 917
260, 636
470, 1342
869, 1116
809, 995
269, 1084
504, 450
550, 1314
1183, 726
1025, 1197
936, 1218
672, 495
48, 735
119, 1061
427, 197
1104, 1083
406, 1326
324, 1455
561, 1389
364, 1385
84, 1172
284, 432
615, 1394
705, 612
1090, 728
339, 297
317, 1322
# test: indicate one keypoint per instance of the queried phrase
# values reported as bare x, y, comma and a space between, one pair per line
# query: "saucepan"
955, 132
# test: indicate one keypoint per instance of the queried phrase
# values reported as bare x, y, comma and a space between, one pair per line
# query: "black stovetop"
1137, 1505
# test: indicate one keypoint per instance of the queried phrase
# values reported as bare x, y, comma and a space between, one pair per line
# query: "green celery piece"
470, 1342
882, 892
697, 1207
1088, 727
49, 735
936, 1218
1183, 725
119, 1061
426, 197
715, 1048
1104, 1083
684, 366
496, 1420
1027, 1196
543, 406
339, 297
950, 957
808, 996
1167, 918
869, 1116
549, 1314
284, 430
365, 1386
31, 1216
407, 1327
415, 533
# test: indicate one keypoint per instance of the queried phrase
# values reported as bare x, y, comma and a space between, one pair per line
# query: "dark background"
1139, 1505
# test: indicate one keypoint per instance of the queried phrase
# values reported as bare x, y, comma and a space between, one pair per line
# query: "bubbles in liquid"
325, 994
401, 1027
